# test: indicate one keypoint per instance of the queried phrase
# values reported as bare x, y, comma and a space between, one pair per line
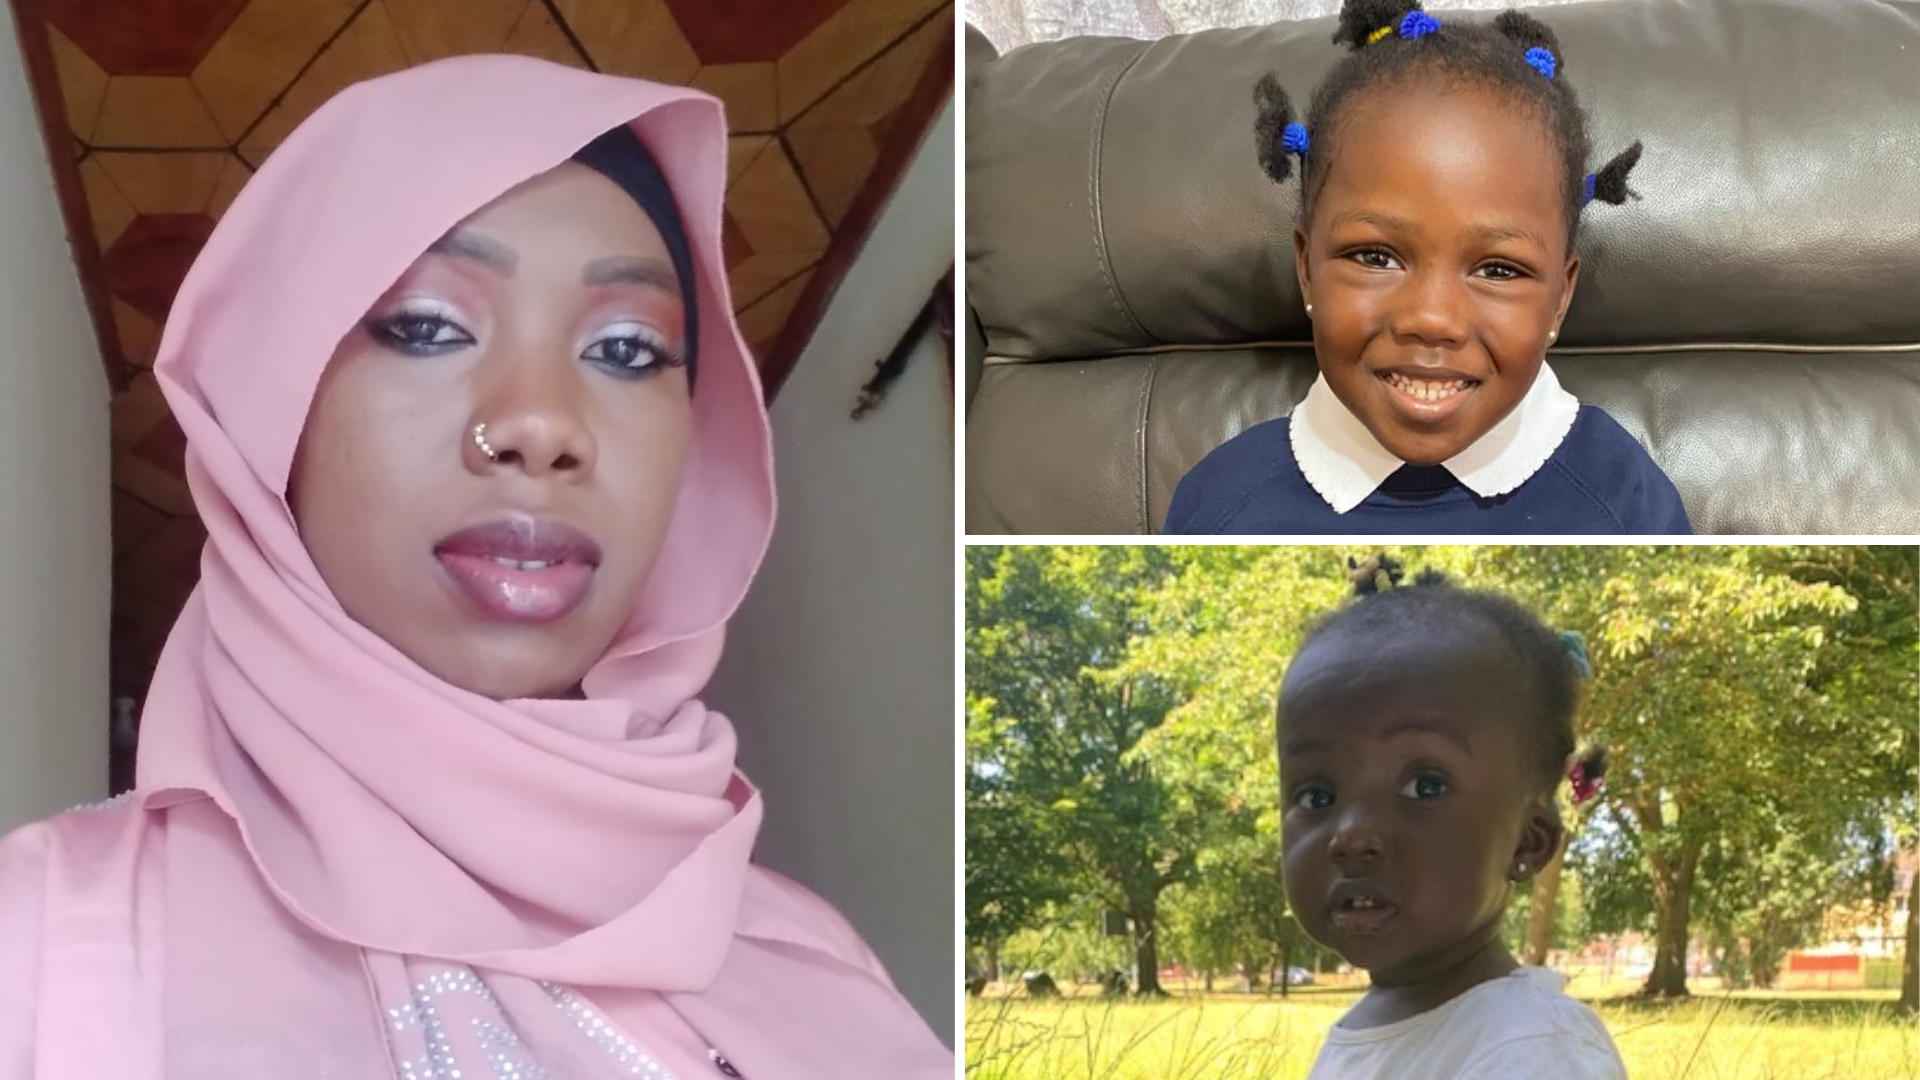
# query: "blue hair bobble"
1542, 61
1576, 645
1293, 139
1418, 24
1588, 196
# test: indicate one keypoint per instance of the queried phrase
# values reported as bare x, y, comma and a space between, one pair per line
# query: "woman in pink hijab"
425, 789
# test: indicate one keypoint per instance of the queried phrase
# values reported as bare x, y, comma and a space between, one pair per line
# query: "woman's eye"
1425, 786
420, 333
1373, 258
1312, 798
629, 351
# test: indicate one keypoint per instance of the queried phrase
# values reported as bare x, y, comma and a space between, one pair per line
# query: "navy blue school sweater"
1599, 481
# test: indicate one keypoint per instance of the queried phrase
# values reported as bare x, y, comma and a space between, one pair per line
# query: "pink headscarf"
372, 872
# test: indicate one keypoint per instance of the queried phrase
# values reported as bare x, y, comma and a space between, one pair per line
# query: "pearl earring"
1309, 309
1553, 335
1520, 869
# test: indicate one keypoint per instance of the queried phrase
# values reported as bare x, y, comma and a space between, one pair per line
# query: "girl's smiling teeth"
1426, 389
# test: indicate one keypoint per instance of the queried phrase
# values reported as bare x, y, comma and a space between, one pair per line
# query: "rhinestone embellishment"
619, 1047
505, 1055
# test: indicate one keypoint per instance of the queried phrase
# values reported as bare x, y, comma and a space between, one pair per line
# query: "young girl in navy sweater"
1443, 177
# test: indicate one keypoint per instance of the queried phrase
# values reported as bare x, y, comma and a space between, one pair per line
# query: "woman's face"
553, 316
1436, 262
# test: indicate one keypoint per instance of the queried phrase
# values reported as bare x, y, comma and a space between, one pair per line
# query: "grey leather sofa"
1754, 320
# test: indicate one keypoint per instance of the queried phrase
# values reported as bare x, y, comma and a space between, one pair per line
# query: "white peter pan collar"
1345, 463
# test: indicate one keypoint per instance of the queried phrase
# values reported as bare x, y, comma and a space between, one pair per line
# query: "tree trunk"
991, 951
1766, 966
1910, 970
1546, 894
1146, 947
1673, 904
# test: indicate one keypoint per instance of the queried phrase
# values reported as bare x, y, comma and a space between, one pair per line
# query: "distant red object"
1802, 962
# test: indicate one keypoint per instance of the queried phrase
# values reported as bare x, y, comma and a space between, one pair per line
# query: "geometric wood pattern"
171, 104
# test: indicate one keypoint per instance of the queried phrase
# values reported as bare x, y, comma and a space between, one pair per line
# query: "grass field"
1717, 1036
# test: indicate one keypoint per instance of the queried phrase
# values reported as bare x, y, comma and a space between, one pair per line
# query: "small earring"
1309, 309
1553, 335
480, 440
1520, 869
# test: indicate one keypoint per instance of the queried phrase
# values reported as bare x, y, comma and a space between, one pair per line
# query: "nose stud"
480, 440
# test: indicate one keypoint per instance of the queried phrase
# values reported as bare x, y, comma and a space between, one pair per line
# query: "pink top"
335, 863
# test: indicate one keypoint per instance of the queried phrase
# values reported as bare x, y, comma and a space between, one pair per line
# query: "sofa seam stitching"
1095, 141
1146, 406
1002, 359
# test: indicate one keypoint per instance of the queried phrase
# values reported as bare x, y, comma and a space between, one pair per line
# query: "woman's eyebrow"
484, 250
627, 270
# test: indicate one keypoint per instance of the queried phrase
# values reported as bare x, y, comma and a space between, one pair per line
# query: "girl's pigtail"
1275, 135
1543, 49
1609, 185
1365, 22
1376, 574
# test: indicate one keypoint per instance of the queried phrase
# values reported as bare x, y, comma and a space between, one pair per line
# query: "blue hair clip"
1588, 196
1542, 61
1576, 646
1293, 139
1418, 24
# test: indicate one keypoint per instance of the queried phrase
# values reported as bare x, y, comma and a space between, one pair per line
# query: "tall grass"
1722, 1037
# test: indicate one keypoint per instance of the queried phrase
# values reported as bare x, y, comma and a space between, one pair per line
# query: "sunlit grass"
1742, 1036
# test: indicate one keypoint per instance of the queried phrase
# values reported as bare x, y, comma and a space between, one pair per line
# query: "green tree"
1708, 687
1873, 675
1771, 887
1220, 634
1012, 877
1232, 913
1047, 630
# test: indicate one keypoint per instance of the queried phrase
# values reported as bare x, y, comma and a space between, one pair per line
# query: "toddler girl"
1422, 733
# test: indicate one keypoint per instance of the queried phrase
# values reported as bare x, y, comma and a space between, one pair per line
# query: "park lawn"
1743, 1036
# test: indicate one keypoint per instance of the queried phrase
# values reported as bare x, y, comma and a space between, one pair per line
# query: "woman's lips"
516, 595
519, 568
1426, 400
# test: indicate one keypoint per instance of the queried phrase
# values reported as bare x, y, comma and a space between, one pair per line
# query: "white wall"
55, 555
839, 668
